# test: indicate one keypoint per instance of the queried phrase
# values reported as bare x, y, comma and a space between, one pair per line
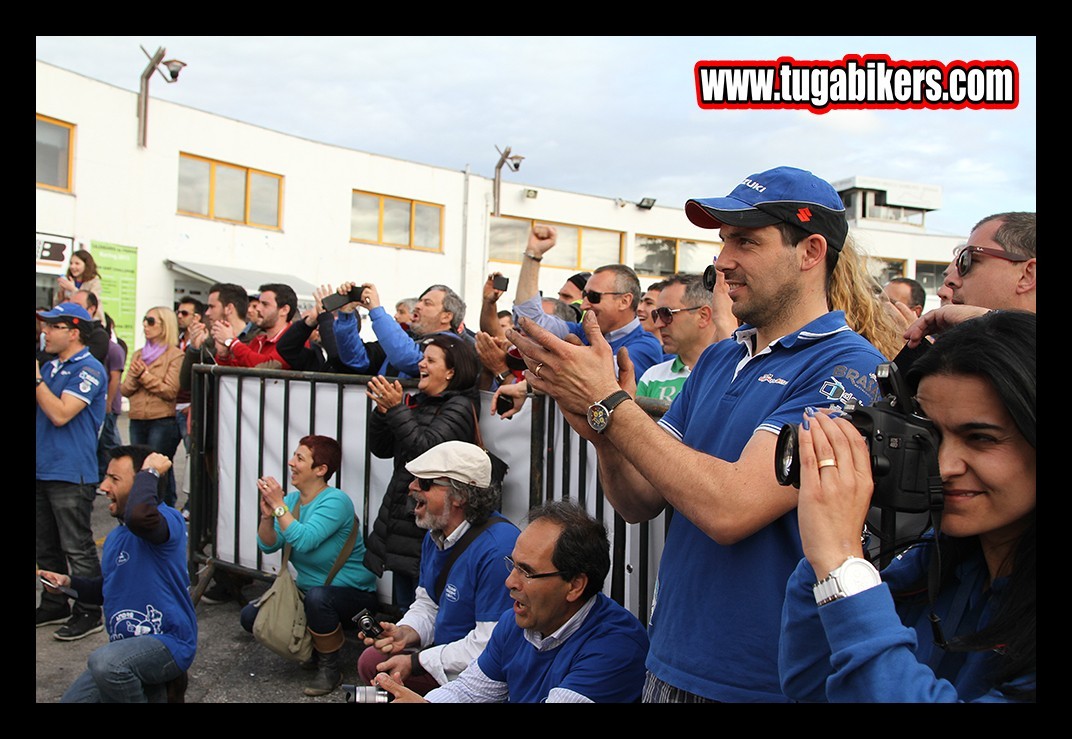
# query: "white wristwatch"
854, 576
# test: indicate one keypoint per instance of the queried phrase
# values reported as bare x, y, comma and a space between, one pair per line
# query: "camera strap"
456, 551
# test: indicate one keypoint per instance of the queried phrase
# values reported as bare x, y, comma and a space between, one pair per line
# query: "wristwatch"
227, 344
280, 510
153, 471
854, 576
534, 257
599, 412
503, 376
40, 380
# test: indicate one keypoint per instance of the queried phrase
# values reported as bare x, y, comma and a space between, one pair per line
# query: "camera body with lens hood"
903, 446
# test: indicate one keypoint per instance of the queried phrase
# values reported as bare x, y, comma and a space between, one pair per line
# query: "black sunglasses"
182, 313
594, 297
149, 320
666, 315
963, 260
425, 484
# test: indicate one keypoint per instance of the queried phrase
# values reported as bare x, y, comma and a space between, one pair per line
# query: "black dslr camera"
902, 443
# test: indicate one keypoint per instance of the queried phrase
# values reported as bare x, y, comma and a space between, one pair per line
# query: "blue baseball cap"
779, 195
71, 312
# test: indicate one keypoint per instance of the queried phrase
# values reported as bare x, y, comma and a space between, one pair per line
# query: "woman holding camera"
404, 427
951, 619
316, 520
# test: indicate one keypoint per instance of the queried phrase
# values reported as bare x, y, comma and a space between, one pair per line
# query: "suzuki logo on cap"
753, 185
804, 215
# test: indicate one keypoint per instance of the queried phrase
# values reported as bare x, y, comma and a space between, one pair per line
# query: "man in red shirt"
278, 306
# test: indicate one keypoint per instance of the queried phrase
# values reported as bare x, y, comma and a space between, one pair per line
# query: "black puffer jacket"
405, 432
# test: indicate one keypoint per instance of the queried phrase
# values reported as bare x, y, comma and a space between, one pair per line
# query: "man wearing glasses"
460, 593
564, 640
995, 270
71, 391
612, 295
733, 539
685, 317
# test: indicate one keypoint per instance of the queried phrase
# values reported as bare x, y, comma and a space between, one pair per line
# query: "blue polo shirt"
716, 610
68, 453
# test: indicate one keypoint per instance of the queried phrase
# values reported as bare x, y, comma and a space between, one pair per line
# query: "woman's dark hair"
325, 450
998, 347
460, 357
91, 266
582, 546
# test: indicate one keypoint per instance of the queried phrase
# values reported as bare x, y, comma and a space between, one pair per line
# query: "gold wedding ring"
827, 463
537, 371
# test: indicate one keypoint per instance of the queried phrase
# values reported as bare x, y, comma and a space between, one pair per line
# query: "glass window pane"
508, 237
930, 274
600, 247
230, 193
654, 256
364, 217
193, 185
53, 146
426, 221
565, 252
695, 256
264, 199
884, 270
396, 221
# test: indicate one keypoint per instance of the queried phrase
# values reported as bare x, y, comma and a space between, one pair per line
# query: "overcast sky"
607, 116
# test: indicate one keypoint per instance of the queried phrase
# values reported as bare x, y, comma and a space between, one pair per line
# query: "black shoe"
81, 625
48, 616
217, 593
328, 675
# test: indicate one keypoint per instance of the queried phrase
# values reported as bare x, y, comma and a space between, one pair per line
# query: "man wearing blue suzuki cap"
71, 392
733, 539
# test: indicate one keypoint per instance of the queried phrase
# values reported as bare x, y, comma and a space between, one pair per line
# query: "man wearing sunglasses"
460, 593
995, 270
564, 640
684, 316
71, 392
612, 295
733, 539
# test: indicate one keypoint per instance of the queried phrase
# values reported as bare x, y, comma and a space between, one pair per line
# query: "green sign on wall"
118, 267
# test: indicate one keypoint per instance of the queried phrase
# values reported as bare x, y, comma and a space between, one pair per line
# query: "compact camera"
368, 624
366, 694
903, 447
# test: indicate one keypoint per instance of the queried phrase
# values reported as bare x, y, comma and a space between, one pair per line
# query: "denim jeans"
65, 536
162, 434
326, 608
131, 670
109, 439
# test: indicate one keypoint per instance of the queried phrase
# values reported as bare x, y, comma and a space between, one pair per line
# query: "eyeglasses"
511, 566
426, 484
666, 315
594, 297
183, 313
149, 321
963, 259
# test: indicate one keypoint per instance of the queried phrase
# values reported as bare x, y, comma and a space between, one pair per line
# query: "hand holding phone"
63, 589
335, 300
500, 282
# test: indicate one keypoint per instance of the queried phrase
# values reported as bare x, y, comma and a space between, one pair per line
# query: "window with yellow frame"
661, 256
394, 221
576, 247
55, 153
229, 192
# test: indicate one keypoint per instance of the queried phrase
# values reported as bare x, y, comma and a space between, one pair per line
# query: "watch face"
857, 575
279, 511
598, 417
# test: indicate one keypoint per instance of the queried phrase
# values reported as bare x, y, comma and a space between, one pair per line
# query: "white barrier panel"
251, 445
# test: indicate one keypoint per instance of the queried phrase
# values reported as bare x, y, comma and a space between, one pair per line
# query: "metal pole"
143, 95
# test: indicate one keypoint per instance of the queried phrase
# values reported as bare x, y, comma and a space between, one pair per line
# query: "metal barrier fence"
246, 422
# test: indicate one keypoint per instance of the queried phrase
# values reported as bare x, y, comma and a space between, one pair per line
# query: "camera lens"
366, 694
786, 461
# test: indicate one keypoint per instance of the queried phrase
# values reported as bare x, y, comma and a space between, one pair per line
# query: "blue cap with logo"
69, 312
779, 195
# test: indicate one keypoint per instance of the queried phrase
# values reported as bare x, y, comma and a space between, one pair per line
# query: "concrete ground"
230, 666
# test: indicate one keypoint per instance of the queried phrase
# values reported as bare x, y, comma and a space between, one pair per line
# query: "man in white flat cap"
460, 592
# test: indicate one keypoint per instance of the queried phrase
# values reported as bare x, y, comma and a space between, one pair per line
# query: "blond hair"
854, 291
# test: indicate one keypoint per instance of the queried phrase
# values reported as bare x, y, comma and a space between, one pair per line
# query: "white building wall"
127, 195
